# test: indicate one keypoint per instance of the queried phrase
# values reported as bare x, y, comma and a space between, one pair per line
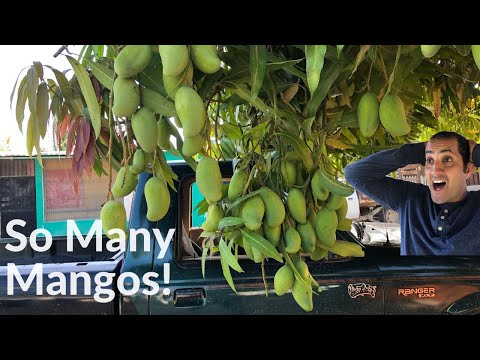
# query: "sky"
13, 58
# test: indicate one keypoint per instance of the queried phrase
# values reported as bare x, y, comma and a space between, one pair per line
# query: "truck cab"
381, 282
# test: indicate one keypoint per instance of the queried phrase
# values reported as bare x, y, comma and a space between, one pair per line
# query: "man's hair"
463, 146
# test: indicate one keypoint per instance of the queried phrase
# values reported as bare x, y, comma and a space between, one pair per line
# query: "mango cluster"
297, 220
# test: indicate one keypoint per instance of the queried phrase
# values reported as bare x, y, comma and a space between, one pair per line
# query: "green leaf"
348, 120
258, 63
38, 68
339, 50
392, 75
347, 248
208, 83
63, 82
273, 66
43, 111
98, 51
302, 149
337, 144
157, 103
230, 222
259, 131
103, 73
464, 50
22, 83
152, 76
88, 94
332, 70
290, 262
20, 106
242, 199
307, 127
32, 85
315, 55
227, 274
290, 68
202, 207
231, 131
360, 57
242, 91
226, 254
333, 123
98, 166
261, 244
30, 136
349, 135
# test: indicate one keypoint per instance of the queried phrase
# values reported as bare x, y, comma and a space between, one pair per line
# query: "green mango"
144, 125
272, 233
292, 241
326, 226
193, 145
190, 110
125, 182
205, 58
138, 164
252, 212
132, 59
237, 184
308, 236
476, 55
157, 197
392, 115
163, 134
126, 97
297, 205
274, 208
174, 58
283, 280
367, 114
209, 179
429, 50
214, 215
113, 216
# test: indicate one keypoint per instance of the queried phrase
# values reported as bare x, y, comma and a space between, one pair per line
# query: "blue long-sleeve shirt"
426, 228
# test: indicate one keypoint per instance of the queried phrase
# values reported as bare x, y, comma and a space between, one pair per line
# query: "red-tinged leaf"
90, 155
72, 128
63, 127
97, 88
75, 185
79, 142
86, 133
80, 166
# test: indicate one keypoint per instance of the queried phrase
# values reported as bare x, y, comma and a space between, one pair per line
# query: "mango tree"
292, 116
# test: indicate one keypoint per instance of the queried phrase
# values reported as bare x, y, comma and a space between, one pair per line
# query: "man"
441, 218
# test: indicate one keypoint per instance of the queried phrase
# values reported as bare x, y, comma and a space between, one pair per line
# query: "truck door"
432, 285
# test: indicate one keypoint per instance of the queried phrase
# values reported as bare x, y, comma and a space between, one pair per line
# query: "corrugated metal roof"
11, 155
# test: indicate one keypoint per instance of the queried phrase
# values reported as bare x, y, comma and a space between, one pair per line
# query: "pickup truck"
381, 282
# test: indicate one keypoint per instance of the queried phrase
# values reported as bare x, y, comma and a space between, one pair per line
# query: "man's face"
444, 171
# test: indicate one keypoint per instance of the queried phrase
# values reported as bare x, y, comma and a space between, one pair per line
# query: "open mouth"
438, 185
